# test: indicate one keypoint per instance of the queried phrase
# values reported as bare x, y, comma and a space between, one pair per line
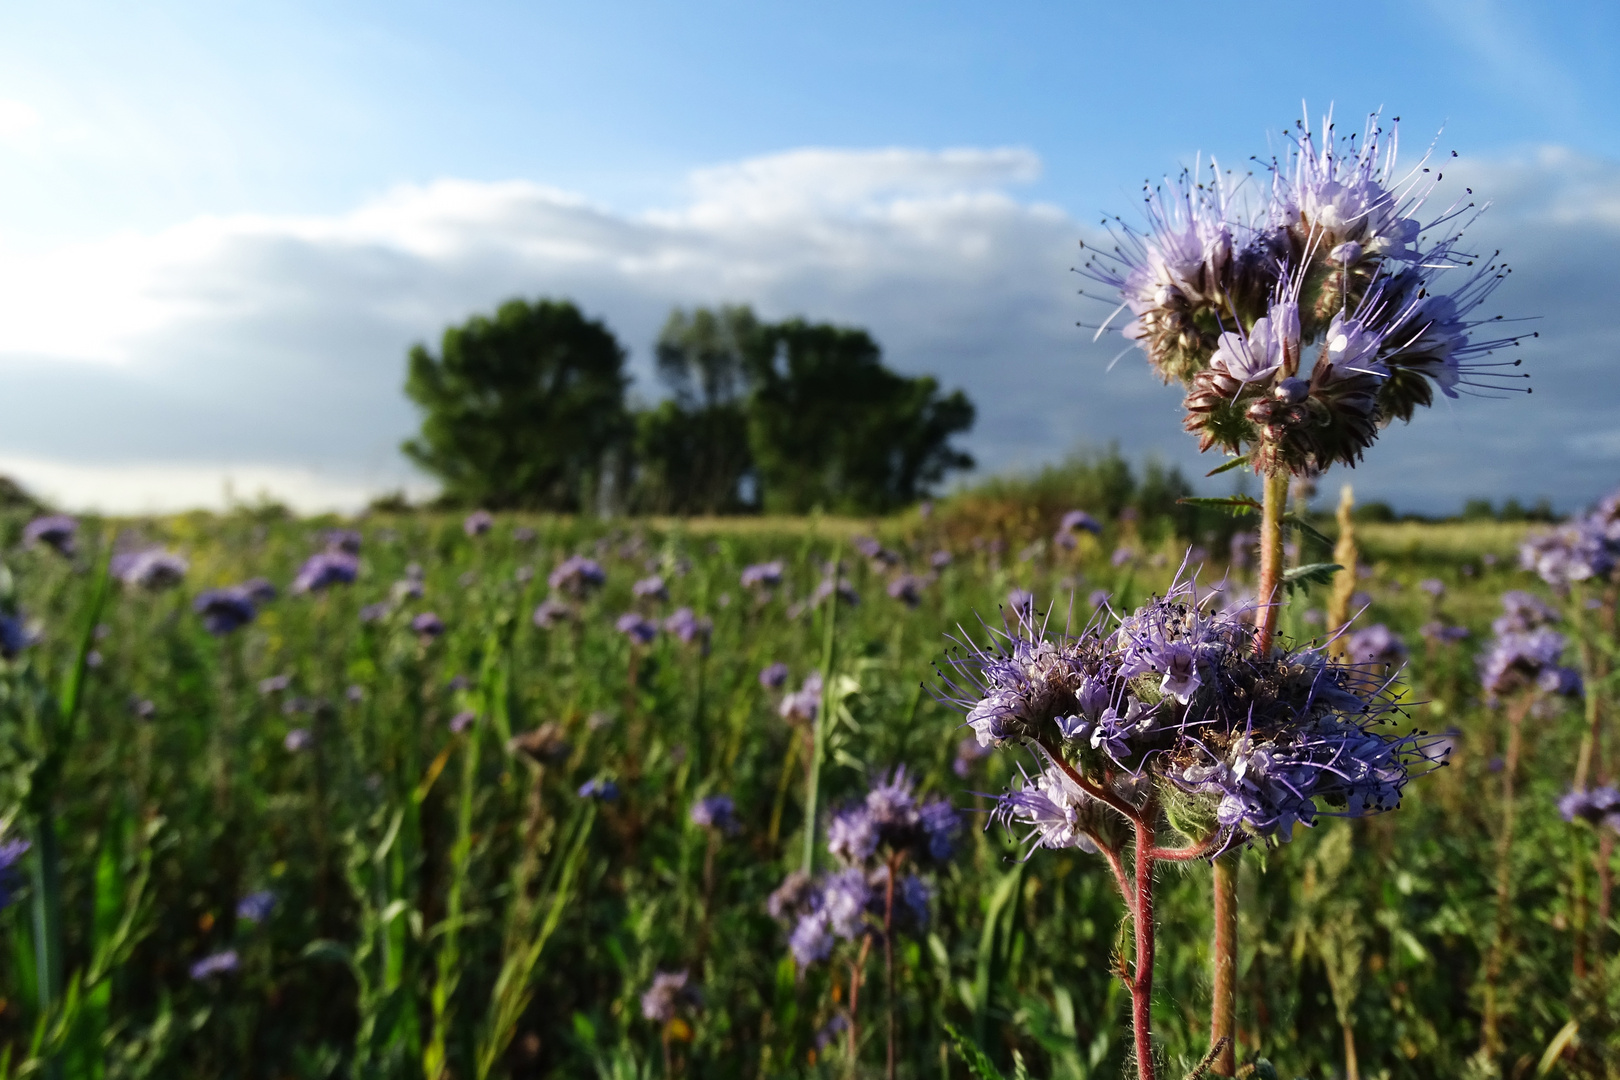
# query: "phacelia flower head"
718, 812
650, 588
153, 570
324, 569
255, 907
665, 996
766, 575
907, 588
1172, 699
1515, 662
478, 523
11, 853
802, 705
637, 628
550, 612
1304, 318
577, 577
1596, 806
225, 610
1523, 612
689, 627
773, 676
427, 626
55, 531
1377, 646
1578, 550
215, 964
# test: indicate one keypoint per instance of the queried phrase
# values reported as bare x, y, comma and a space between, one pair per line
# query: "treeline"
527, 409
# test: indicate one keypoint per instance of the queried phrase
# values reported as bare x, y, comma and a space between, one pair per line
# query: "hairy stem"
1142, 983
888, 956
1271, 559
1223, 1013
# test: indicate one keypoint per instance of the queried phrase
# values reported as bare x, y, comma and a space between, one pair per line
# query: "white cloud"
16, 117
277, 343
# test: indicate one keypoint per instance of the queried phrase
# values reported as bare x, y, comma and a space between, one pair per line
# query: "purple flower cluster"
718, 812
11, 852
668, 992
1580, 549
802, 705
478, 523
1303, 322
1376, 646
650, 588
1525, 653
1597, 806
639, 629
322, 570
577, 577
1173, 700
890, 825
56, 531
761, 576
689, 627
153, 569
225, 610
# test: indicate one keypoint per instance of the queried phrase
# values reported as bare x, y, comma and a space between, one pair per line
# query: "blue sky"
209, 205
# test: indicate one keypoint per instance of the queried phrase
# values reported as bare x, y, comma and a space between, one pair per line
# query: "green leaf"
975, 1059
1299, 522
1235, 463
1236, 505
1301, 577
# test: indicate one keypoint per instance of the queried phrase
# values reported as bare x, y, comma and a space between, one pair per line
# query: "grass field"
337, 843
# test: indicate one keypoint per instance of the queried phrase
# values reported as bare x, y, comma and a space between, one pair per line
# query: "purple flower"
375, 613
967, 752
811, 940
1121, 556
463, 720
803, 705
762, 575
1022, 603
907, 588
10, 852
1442, 633
1271, 342
550, 612
427, 626
1433, 586
650, 588
795, 896
638, 629
14, 636
773, 676
324, 569
1517, 661
1523, 612
717, 812
1597, 806
256, 907
665, 996
153, 569
259, 590
216, 964
56, 531
847, 596
275, 684
225, 610
939, 560
687, 626
577, 577
1378, 646
478, 523
1575, 551
1079, 521
1052, 810
852, 835
345, 540
599, 789
298, 740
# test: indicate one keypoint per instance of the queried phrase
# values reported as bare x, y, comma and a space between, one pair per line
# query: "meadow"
347, 839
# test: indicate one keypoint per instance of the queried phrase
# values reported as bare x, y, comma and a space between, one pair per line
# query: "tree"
692, 452
520, 410
830, 426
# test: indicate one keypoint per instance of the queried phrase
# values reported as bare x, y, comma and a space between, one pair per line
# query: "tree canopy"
522, 409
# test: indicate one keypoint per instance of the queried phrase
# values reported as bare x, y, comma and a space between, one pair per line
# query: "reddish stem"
1142, 984
1095, 790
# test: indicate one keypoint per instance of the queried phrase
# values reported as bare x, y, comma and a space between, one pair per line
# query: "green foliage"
520, 410
564, 909
831, 427
691, 460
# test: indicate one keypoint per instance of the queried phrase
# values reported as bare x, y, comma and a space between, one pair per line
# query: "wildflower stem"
1223, 1012
888, 955
1142, 983
1271, 558
1096, 791
818, 726
855, 999
1490, 1032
